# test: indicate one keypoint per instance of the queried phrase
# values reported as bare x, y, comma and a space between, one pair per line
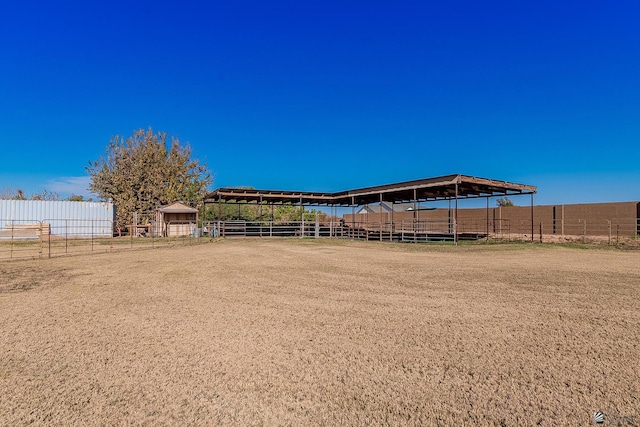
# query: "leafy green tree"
145, 171
252, 212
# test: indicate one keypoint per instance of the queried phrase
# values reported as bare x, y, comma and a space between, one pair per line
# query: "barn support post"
391, 225
204, 218
455, 219
415, 210
260, 215
426, 221
353, 217
381, 217
366, 222
418, 225
487, 228
331, 217
532, 218
302, 218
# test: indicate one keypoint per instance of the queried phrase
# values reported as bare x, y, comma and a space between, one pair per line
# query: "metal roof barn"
63, 218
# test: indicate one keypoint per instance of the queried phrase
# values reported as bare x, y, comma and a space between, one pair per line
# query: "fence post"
11, 245
66, 236
609, 222
49, 239
455, 230
540, 231
426, 230
92, 225
41, 239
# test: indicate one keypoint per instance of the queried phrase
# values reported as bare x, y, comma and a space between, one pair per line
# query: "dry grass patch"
292, 332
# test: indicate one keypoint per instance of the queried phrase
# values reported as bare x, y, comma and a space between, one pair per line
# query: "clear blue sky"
330, 95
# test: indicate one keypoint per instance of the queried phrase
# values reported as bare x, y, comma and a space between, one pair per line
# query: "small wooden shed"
176, 219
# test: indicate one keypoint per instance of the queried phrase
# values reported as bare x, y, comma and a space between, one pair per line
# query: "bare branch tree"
9, 193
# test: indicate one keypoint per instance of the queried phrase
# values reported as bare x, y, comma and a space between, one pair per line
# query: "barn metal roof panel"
437, 188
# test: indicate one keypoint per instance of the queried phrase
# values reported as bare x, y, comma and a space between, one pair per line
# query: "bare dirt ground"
292, 332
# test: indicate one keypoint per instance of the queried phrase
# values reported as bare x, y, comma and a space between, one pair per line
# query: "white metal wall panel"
73, 219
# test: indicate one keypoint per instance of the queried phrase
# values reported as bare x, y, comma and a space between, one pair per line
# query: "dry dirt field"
291, 332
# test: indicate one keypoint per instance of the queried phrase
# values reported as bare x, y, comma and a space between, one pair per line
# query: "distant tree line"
9, 193
257, 212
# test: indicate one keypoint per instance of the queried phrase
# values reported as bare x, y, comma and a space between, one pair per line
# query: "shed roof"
438, 188
177, 207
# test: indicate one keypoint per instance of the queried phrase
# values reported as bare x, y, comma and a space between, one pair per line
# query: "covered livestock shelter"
176, 219
448, 187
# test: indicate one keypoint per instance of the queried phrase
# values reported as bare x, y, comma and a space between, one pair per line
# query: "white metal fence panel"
86, 218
